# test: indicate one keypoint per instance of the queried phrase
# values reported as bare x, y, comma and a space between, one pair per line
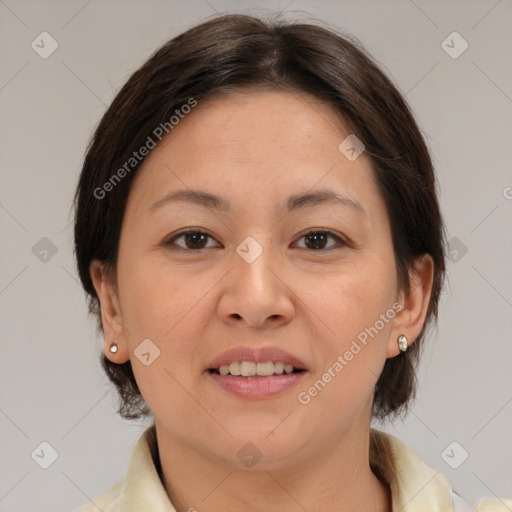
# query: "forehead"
253, 123
254, 144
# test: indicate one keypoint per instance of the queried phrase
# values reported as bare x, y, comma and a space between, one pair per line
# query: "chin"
256, 449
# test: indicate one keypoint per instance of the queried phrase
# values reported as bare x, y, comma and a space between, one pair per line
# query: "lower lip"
257, 387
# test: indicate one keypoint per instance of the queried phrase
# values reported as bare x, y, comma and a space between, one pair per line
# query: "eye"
316, 240
193, 239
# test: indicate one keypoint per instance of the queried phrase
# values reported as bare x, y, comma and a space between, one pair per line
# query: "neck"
336, 477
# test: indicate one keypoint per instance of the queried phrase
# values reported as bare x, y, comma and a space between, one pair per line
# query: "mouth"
256, 381
248, 361
255, 372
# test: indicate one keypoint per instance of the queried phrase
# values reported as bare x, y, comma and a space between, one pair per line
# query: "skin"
254, 150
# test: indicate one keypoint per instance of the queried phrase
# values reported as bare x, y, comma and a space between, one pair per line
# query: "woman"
258, 231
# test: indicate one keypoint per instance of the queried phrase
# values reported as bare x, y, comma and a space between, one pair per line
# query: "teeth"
265, 369
224, 369
247, 369
250, 368
234, 368
278, 368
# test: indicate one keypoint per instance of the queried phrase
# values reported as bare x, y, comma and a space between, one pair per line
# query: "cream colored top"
415, 487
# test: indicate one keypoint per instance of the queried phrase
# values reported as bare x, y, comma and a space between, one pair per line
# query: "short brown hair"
235, 52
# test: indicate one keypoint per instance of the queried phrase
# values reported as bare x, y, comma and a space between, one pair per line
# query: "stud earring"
402, 343
113, 347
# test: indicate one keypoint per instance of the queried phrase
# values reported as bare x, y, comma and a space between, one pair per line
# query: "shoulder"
494, 505
141, 489
415, 486
107, 501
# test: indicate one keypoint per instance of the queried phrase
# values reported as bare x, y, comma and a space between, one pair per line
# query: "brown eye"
192, 239
317, 240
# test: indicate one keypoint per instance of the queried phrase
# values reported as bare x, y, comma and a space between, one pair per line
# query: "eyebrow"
294, 202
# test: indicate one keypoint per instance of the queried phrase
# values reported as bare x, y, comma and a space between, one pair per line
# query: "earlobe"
115, 346
115, 353
410, 320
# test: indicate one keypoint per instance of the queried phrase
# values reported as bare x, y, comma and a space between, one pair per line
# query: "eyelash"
170, 242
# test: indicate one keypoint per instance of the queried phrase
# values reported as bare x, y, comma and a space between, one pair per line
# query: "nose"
256, 293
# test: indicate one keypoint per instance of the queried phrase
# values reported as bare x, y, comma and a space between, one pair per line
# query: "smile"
256, 386
251, 368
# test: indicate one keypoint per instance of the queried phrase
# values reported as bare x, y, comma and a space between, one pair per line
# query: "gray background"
52, 387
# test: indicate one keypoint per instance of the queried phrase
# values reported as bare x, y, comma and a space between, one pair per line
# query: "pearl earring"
402, 343
113, 347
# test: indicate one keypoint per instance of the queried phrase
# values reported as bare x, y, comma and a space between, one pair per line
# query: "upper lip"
256, 355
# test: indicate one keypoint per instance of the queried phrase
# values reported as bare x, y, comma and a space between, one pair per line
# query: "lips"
256, 355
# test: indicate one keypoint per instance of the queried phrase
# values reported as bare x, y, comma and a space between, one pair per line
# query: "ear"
110, 312
410, 320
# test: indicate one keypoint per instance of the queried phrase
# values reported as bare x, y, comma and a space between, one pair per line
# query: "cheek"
353, 349
355, 299
356, 316
159, 306
169, 306
154, 299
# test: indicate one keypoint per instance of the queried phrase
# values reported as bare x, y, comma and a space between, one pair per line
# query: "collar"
415, 486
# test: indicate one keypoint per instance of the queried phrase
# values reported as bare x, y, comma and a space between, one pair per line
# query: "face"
262, 269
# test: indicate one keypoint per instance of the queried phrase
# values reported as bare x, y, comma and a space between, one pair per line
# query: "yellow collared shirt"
415, 487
